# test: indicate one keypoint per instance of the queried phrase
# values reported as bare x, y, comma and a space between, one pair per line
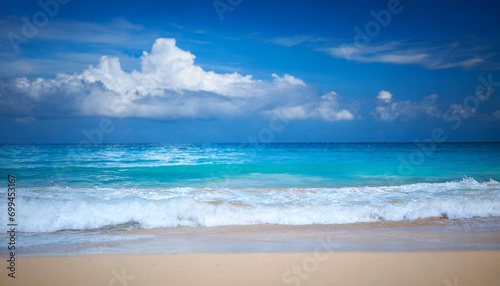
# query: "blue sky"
240, 71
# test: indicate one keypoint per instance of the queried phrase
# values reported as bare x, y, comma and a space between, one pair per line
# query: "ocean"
110, 188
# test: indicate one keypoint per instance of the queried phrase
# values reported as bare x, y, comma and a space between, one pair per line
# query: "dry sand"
464, 267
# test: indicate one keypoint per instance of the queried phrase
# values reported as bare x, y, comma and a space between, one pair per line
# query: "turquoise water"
75, 187
240, 166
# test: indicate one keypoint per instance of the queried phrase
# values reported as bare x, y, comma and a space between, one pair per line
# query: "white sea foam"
52, 209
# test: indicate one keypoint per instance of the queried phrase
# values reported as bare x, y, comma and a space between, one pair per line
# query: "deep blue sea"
85, 187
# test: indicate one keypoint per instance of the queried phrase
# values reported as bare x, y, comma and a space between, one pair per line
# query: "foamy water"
72, 187
52, 209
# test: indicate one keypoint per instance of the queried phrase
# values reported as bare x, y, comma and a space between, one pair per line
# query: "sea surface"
110, 188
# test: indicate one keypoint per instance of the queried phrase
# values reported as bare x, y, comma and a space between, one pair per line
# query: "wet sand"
428, 234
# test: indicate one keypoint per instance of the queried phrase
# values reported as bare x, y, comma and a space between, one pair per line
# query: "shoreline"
425, 252
387, 236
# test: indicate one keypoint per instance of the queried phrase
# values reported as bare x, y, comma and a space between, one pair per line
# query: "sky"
239, 71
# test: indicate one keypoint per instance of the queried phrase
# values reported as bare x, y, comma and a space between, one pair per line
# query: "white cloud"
167, 67
288, 79
168, 86
70, 62
327, 108
388, 110
384, 96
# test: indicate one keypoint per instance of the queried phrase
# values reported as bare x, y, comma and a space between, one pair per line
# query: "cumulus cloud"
385, 96
389, 110
169, 86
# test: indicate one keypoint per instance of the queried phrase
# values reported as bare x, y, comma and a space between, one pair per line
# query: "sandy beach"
425, 252
313, 268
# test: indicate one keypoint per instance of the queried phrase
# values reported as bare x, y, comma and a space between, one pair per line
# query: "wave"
54, 209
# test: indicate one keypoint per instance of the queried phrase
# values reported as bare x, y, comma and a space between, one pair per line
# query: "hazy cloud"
327, 108
296, 40
432, 56
389, 110
496, 114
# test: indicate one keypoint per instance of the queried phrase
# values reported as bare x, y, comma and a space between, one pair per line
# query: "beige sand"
449, 268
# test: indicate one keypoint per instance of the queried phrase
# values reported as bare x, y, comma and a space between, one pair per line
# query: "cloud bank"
169, 86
